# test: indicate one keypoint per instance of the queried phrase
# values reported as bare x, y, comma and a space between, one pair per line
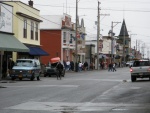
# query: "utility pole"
136, 49
76, 42
124, 46
112, 39
98, 33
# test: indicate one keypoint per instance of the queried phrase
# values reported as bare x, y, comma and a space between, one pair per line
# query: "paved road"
84, 92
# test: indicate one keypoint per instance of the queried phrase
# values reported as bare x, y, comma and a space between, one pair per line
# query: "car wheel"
133, 79
12, 78
20, 78
45, 74
49, 75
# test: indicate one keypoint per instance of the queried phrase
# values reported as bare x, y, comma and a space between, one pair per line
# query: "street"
83, 92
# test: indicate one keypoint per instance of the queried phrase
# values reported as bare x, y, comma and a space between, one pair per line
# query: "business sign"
67, 21
6, 18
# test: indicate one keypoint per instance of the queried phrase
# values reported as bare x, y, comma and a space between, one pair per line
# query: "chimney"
30, 3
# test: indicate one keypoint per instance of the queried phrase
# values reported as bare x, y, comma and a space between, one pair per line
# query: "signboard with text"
6, 18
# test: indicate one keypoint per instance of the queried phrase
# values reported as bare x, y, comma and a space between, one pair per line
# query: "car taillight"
131, 70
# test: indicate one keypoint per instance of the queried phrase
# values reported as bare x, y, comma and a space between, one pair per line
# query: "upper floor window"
25, 29
64, 37
32, 30
71, 38
36, 31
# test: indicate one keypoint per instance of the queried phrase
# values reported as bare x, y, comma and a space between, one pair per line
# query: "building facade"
26, 28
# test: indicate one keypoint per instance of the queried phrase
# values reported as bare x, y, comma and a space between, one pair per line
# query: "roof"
123, 31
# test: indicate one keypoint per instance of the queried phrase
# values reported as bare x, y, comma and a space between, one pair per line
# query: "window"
71, 38
25, 29
36, 31
64, 37
32, 30
141, 63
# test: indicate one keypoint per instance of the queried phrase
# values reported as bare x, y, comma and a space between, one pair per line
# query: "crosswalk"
76, 107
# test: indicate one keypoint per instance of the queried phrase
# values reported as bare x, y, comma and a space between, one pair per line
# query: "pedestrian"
85, 65
68, 65
4, 69
80, 66
110, 67
65, 65
11, 63
91, 66
59, 68
114, 67
72, 65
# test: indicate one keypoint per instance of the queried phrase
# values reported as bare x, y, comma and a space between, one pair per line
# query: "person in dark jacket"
110, 67
59, 69
11, 63
72, 65
4, 69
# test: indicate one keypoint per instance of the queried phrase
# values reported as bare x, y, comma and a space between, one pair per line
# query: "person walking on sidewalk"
110, 67
114, 67
59, 70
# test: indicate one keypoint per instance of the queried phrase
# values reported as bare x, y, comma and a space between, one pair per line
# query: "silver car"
140, 69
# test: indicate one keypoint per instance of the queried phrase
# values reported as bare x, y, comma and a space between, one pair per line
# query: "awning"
10, 43
54, 60
37, 51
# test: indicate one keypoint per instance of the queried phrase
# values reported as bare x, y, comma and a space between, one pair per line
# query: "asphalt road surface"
84, 92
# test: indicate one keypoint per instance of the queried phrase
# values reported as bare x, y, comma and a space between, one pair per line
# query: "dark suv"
140, 69
51, 70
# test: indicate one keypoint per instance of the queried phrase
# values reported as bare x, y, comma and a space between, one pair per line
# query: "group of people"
112, 67
70, 65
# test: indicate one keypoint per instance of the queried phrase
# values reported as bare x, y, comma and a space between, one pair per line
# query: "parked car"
129, 63
26, 68
140, 69
51, 67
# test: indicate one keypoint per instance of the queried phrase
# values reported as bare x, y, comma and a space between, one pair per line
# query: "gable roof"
123, 31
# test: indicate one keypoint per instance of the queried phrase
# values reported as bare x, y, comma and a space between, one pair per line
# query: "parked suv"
26, 68
140, 69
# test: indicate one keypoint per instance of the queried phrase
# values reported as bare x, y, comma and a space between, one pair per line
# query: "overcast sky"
135, 12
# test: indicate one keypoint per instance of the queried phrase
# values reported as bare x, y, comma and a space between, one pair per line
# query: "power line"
128, 10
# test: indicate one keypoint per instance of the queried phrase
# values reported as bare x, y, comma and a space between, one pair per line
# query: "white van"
26, 68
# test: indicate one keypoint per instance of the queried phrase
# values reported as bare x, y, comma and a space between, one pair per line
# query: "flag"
82, 36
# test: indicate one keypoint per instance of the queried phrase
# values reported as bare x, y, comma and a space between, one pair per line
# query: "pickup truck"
140, 69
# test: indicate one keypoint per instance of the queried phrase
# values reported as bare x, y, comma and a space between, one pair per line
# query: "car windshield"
141, 63
26, 63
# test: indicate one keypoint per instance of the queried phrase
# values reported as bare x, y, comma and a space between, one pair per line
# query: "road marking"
109, 80
46, 86
87, 106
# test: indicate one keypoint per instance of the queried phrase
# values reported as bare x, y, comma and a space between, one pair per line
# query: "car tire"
49, 75
12, 78
20, 79
45, 74
133, 79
